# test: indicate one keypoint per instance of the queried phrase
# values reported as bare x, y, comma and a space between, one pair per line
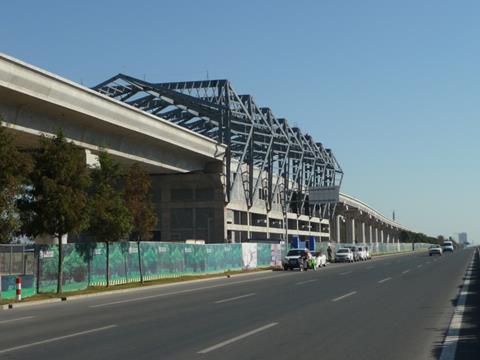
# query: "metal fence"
16, 259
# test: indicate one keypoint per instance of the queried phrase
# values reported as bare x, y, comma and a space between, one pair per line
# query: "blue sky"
390, 86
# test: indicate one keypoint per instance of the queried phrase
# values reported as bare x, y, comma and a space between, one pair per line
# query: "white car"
447, 246
320, 259
362, 253
369, 256
435, 250
344, 255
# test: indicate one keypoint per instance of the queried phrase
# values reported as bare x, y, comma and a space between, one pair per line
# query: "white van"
447, 246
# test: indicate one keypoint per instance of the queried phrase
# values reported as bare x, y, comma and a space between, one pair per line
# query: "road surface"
394, 307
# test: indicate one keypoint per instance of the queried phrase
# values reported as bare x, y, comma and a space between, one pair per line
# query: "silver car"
435, 250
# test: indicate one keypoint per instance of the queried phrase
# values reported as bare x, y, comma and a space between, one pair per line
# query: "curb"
31, 303
120, 291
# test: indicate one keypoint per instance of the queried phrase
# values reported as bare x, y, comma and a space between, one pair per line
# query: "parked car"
320, 259
295, 259
344, 255
353, 249
362, 253
447, 246
369, 256
435, 250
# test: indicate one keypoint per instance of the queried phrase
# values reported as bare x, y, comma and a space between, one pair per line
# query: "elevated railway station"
223, 168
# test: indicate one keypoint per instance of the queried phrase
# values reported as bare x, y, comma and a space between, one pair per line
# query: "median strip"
344, 296
36, 343
383, 280
234, 298
237, 338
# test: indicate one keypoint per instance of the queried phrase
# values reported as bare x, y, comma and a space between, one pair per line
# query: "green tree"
404, 236
139, 203
56, 202
14, 168
110, 219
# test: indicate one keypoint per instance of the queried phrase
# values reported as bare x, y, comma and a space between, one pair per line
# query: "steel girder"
271, 157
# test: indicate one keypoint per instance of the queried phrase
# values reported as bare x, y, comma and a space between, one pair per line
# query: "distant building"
462, 238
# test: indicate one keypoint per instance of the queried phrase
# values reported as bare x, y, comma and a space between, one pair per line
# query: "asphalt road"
395, 307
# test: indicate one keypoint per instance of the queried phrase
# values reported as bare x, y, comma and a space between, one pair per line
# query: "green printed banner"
9, 287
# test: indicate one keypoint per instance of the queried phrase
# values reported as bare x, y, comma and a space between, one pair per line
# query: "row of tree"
51, 191
414, 237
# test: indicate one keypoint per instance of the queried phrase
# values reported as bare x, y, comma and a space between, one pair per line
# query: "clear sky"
391, 86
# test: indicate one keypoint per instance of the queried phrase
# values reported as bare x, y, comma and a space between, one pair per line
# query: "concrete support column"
367, 234
388, 238
363, 239
350, 223
381, 236
376, 235
338, 228
370, 235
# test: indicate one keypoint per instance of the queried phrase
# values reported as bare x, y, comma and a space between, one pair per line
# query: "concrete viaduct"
356, 222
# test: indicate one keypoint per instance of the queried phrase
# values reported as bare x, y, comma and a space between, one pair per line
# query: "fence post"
23, 260
19, 288
11, 260
37, 252
89, 265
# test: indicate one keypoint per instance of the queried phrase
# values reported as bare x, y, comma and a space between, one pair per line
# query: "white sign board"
324, 195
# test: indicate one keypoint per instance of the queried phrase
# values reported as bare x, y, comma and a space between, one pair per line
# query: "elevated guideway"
35, 102
355, 221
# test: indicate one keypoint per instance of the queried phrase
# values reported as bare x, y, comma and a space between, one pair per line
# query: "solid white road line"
406, 271
20, 347
17, 319
306, 282
346, 273
453, 335
233, 298
383, 280
237, 338
344, 296
186, 291
419, 266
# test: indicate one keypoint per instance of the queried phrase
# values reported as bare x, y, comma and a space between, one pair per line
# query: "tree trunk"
60, 265
140, 268
107, 271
